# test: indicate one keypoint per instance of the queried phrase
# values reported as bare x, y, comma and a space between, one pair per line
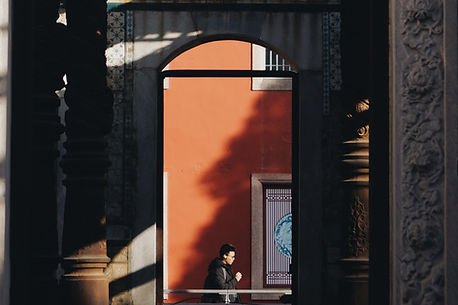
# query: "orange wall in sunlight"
216, 133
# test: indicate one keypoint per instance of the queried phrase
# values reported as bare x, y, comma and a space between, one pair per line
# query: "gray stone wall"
133, 56
161, 35
120, 205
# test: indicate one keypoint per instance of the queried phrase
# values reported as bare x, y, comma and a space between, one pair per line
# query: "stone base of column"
84, 282
355, 286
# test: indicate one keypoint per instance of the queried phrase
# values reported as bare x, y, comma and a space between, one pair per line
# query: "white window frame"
166, 84
165, 266
258, 62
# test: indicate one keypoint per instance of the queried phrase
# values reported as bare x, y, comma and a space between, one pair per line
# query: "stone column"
45, 129
423, 170
85, 163
355, 261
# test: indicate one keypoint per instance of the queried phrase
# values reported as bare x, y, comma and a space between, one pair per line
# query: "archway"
295, 162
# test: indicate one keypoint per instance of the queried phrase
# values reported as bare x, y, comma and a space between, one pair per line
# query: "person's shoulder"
215, 263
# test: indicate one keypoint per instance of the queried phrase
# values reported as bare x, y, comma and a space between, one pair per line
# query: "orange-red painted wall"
217, 131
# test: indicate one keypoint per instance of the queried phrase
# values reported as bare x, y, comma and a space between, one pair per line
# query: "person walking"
221, 276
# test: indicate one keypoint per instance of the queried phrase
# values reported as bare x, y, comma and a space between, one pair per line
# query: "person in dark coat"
220, 276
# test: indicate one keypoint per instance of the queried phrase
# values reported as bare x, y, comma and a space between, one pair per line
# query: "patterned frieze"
332, 76
119, 53
129, 39
115, 52
334, 51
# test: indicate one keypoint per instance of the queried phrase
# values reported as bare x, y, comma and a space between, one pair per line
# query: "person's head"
227, 253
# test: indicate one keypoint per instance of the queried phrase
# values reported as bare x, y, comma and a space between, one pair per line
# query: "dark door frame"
160, 157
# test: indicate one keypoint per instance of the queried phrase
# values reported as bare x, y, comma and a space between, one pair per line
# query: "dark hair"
225, 249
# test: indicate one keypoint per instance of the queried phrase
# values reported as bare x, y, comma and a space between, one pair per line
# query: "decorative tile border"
335, 77
326, 64
129, 39
115, 52
332, 75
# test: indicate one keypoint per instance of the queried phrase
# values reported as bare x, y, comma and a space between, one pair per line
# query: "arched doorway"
295, 173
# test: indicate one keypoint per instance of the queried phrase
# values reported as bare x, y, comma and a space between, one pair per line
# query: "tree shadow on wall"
263, 146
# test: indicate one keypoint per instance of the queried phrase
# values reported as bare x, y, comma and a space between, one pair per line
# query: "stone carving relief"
356, 179
357, 122
362, 107
421, 214
358, 237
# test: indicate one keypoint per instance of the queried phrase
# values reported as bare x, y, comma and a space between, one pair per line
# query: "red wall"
216, 133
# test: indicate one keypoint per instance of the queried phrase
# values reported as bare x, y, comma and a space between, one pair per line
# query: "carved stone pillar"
88, 121
423, 152
355, 261
48, 71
